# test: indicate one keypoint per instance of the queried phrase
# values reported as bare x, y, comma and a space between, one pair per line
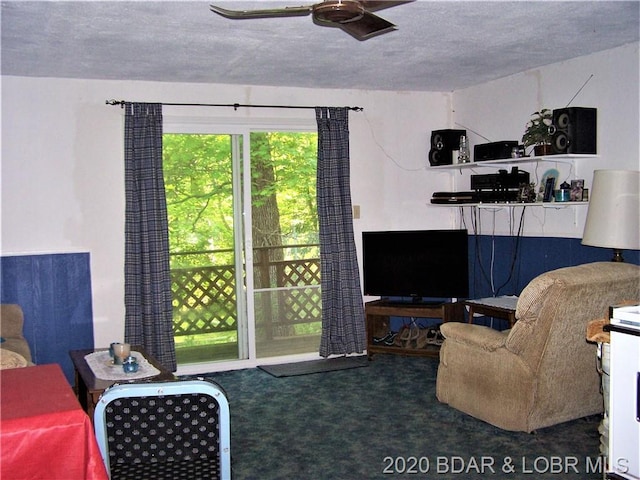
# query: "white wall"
62, 153
500, 109
63, 175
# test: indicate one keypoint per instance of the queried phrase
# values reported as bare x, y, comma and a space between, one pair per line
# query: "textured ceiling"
438, 46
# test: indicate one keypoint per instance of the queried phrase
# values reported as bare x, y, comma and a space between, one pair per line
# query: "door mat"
315, 366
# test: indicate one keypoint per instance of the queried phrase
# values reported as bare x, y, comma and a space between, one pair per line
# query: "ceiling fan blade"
375, 5
368, 26
265, 13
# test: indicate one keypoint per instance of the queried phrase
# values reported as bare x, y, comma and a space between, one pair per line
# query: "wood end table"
89, 388
498, 307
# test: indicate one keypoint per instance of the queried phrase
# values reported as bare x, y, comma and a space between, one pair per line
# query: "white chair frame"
156, 389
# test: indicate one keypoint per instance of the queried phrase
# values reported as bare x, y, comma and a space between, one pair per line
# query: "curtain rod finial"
115, 102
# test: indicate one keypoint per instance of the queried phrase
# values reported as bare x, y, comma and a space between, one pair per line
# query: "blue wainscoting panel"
54, 291
491, 259
504, 265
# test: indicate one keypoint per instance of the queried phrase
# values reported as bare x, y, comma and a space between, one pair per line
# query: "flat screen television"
420, 264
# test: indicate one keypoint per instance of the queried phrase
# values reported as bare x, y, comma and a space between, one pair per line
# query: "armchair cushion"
11, 359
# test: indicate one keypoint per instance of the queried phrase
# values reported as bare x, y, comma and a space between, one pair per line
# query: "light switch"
356, 211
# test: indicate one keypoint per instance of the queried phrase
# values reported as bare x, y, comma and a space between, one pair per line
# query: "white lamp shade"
613, 219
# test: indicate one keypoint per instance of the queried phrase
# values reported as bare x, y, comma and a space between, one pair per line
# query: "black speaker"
574, 130
443, 143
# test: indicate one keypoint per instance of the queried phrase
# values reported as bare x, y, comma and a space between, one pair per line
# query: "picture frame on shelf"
577, 188
551, 173
548, 189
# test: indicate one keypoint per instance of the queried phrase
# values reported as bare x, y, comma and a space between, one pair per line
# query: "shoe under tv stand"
378, 313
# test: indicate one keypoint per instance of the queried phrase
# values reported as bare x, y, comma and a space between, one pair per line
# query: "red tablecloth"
44, 433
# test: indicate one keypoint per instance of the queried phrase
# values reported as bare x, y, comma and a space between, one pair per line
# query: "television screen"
419, 264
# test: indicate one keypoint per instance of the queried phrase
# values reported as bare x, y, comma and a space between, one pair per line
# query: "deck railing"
204, 295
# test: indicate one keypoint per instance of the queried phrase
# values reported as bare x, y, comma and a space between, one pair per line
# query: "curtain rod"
234, 105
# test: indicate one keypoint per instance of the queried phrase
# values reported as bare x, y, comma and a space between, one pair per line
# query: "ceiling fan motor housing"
339, 11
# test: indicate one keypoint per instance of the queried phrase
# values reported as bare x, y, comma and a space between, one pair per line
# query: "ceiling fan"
352, 16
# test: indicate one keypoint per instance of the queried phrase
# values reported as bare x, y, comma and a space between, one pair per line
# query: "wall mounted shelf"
569, 158
500, 206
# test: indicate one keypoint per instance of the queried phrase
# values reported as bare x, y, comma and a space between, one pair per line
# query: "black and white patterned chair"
165, 430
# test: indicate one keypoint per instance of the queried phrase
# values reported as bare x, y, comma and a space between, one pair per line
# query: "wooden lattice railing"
204, 297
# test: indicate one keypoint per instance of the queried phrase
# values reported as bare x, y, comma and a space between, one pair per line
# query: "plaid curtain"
147, 282
343, 325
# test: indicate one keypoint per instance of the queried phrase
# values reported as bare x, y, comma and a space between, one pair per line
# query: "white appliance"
624, 396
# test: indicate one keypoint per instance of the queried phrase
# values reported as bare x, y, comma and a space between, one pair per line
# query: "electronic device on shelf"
502, 180
480, 196
574, 130
498, 187
416, 265
444, 146
454, 198
495, 150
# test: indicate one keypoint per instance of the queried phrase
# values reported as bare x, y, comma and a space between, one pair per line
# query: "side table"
89, 387
497, 307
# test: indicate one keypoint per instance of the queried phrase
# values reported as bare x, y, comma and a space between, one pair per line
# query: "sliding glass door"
207, 269
244, 245
286, 256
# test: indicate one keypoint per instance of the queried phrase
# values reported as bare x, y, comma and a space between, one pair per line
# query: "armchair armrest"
477, 336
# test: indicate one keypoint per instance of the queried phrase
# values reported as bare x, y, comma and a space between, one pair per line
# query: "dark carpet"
385, 422
315, 366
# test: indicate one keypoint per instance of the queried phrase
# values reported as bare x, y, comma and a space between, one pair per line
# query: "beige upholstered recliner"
14, 349
542, 371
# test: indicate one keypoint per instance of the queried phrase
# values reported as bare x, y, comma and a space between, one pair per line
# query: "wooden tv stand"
377, 315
